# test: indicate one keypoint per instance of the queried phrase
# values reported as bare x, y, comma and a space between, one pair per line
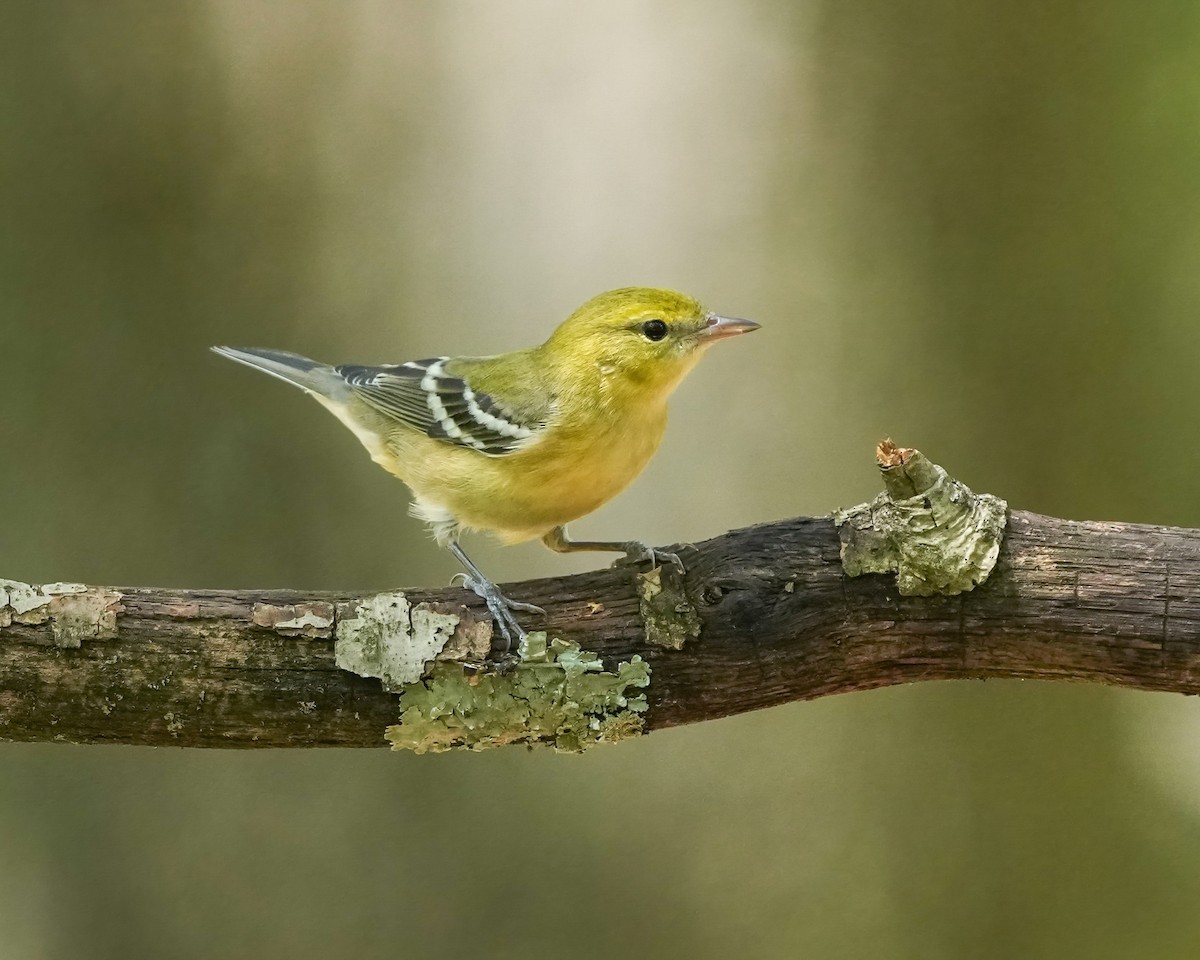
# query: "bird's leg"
634, 550
499, 606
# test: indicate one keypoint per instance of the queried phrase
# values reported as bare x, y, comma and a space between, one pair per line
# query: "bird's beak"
719, 328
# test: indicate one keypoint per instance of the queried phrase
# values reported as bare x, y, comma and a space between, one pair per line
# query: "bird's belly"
524, 495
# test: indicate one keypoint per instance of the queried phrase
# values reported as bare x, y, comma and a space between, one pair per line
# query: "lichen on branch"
387, 636
75, 612
932, 531
558, 695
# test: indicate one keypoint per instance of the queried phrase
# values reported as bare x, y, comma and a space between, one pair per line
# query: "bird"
520, 444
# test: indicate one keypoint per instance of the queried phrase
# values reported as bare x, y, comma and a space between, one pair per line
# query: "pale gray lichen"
91, 615
75, 611
558, 695
310, 619
931, 530
385, 636
669, 617
19, 599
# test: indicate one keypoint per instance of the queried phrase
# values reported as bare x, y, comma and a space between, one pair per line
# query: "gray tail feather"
291, 368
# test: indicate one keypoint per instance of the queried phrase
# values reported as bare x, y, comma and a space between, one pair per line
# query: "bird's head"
646, 338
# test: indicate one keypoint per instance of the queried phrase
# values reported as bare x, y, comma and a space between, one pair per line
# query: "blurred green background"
974, 227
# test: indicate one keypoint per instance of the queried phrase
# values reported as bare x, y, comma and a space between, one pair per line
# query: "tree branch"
777, 617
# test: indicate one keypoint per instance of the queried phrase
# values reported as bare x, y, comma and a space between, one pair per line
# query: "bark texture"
778, 618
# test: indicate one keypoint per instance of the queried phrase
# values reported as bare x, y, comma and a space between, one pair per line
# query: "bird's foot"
501, 608
637, 552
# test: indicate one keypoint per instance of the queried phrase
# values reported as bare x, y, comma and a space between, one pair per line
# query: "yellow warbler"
522, 443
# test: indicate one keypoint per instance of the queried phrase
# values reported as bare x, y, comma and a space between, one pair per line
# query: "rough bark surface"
779, 621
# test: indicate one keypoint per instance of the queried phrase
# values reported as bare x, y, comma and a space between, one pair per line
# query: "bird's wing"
423, 394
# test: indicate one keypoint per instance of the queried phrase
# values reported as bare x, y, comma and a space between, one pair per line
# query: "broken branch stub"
932, 531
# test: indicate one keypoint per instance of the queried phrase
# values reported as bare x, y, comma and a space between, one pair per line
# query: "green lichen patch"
937, 535
667, 613
558, 695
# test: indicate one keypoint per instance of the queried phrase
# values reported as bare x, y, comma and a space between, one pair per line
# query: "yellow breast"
563, 475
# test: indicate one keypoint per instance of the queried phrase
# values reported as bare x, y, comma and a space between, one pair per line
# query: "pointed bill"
720, 328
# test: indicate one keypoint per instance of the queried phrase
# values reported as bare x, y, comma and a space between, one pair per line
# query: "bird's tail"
308, 375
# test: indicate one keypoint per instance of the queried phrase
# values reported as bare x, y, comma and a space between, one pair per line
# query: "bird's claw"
501, 608
524, 607
637, 552
500, 666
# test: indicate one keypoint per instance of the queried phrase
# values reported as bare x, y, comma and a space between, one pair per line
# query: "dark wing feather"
422, 395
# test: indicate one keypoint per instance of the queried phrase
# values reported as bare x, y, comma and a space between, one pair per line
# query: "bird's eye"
654, 330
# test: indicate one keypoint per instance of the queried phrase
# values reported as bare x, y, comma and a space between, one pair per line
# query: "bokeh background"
971, 226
